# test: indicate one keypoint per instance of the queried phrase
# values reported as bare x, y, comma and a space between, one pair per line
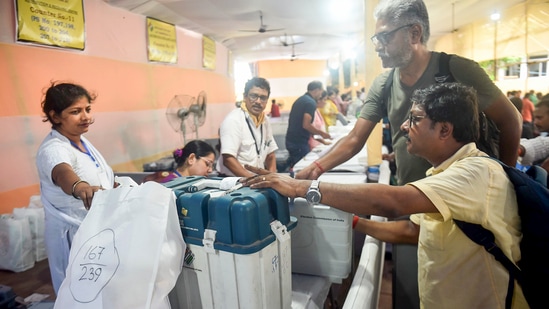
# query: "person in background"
362, 94
275, 109
197, 158
246, 135
353, 109
454, 272
318, 122
533, 97
338, 100
528, 112
329, 111
527, 130
536, 150
70, 169
300, 127
539, 96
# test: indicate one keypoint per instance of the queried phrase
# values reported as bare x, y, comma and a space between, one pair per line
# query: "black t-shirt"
296, 133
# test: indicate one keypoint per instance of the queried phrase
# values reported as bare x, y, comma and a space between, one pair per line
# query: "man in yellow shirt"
454, 272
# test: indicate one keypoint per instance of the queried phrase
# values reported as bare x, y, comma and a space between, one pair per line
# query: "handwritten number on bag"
94, 252
95, 264
94, 256
93, 273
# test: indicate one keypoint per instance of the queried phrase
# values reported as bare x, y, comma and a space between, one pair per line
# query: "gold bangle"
74, 187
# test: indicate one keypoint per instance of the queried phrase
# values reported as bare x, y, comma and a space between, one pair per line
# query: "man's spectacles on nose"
254, 97
384, 38
413, 120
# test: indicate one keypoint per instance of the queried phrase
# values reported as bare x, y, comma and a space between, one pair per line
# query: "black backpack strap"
444, 75
485, 238
387, 88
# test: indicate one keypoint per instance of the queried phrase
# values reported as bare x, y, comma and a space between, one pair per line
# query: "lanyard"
257, 148
86, 152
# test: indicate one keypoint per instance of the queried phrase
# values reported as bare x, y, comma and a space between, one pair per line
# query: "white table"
310, 292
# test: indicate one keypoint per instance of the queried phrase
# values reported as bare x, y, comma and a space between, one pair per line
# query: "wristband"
74, 187
319, 167
355, 221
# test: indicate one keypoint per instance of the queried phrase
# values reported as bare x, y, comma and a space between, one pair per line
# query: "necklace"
87, 152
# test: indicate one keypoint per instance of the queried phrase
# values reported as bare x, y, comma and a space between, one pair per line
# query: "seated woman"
195, 159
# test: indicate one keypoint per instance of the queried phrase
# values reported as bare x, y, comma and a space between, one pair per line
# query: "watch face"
313, 197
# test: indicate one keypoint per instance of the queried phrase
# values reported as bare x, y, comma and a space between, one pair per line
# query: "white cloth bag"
16, 252
127, 253
36, 217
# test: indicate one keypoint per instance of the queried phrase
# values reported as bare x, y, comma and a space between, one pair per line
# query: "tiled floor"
37, 280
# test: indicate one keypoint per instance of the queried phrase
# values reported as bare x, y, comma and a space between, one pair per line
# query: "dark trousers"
296, 152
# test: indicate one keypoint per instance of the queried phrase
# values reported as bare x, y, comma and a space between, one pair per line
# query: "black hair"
454, 103
60, 96
544, 102
198, 147
517, 102
323, 95
314, 85
259, 82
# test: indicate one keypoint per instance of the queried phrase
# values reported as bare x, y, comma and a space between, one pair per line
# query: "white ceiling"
325, 27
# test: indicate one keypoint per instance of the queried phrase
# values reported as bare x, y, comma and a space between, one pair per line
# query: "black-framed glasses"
384, 38
254, 97
413, 120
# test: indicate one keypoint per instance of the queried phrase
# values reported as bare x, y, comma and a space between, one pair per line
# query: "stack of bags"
22, 237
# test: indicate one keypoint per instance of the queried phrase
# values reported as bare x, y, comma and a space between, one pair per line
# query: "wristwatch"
313, 196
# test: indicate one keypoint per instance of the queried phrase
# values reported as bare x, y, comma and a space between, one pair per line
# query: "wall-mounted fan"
186, 113
262, 26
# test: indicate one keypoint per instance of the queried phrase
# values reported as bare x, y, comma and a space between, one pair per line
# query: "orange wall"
289, 79
285, 68
131, 125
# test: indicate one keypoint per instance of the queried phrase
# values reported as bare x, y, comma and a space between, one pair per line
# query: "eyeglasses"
413, 120
384, 38
209, 163
254, 97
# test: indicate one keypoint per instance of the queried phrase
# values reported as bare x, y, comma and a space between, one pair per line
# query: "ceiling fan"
287, 43
262, 26
293, 57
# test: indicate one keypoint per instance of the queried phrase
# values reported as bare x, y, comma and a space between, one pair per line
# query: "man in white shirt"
246, 135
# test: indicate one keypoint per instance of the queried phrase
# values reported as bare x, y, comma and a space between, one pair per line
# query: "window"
512, 70
537, 65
